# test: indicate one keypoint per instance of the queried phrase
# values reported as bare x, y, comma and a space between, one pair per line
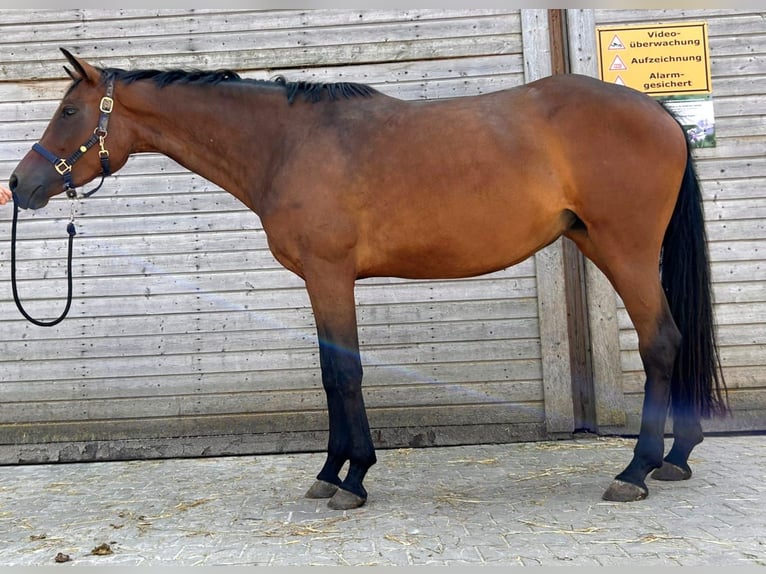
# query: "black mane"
314, 91
311, 91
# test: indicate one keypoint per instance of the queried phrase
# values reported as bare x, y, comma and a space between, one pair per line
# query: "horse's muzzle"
27, 198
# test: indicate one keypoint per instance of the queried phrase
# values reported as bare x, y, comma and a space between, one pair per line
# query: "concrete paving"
515, 504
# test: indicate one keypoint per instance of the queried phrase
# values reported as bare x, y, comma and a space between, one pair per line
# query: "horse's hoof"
345, 500
621, 491
321, 489
669, 471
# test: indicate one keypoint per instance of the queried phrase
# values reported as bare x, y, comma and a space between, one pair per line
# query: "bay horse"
350, 183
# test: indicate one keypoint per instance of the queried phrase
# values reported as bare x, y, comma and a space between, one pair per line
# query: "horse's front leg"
332, 299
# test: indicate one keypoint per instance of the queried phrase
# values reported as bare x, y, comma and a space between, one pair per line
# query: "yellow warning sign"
657, 59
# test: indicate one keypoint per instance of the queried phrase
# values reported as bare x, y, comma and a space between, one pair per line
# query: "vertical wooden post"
602, 300
549, 263
574, 271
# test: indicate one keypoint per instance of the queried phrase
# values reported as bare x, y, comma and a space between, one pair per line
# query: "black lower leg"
330, 472
336, 458
361, 452
687, 433
658, 356
647, 454
350, 437
354, 478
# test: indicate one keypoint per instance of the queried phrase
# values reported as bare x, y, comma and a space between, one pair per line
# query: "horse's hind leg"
636, 278
332, 299
658, 343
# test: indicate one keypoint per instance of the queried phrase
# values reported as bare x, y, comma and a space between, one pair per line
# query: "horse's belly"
466, 248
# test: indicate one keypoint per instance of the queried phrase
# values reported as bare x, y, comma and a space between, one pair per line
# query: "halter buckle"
62, 167
107, 105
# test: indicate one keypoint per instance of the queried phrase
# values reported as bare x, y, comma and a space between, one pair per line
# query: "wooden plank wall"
183, 324
733, 178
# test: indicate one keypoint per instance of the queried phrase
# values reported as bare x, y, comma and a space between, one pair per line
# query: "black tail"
697, 387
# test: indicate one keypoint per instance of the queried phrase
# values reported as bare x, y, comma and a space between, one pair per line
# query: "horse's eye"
68, 111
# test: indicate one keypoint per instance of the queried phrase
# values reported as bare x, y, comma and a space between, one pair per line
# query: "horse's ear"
82, 69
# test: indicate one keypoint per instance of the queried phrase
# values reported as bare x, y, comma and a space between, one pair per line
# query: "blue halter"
63, 166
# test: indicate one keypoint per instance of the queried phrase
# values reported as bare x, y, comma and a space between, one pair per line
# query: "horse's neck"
226, 140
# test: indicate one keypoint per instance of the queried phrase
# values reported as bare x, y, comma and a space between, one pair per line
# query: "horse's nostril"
13, 182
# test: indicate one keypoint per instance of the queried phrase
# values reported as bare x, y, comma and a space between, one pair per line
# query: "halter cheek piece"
63, 166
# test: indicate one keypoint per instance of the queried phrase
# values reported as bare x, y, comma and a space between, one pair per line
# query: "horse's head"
74, 148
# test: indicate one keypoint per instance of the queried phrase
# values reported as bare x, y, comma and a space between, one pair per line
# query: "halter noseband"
63, 166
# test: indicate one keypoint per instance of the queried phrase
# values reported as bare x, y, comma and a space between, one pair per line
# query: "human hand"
5, 195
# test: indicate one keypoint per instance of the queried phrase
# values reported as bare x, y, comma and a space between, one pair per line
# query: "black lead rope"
72, 232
